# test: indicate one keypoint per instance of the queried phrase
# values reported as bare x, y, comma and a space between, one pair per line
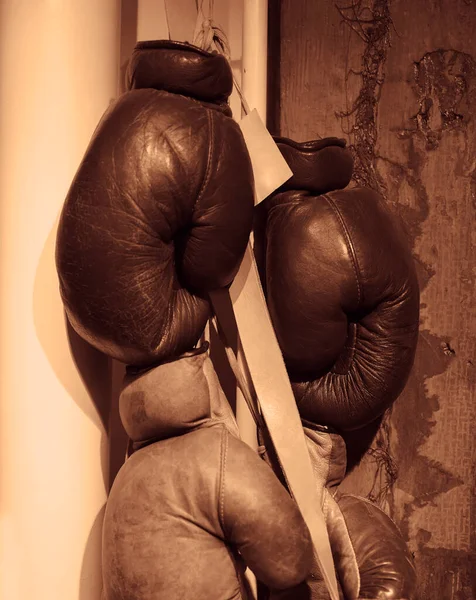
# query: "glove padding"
343, 296
160, 210
194, 504
318, 166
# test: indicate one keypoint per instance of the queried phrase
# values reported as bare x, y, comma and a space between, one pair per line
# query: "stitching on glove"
223, 456
367, 501
350, 246
211, 149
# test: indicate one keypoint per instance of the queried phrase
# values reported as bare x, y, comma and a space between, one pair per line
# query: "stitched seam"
328, 463
356, 271
223, 457
325, 503
220, 107
349, 244
208, 171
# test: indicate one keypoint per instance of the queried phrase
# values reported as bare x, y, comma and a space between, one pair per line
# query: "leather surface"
159, 212
318, 166
180, 68
328, 455
363, 534
187, 513
172, 399
343, 297
327, 451
387, 570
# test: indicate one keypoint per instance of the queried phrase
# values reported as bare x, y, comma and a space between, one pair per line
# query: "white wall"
58, 73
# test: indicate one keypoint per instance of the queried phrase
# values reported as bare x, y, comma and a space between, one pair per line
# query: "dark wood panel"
397, 79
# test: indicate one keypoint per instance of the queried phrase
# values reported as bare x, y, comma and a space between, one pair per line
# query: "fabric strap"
276, 403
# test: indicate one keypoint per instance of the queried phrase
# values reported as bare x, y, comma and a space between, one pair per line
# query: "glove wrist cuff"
318, 166
181, 68
172, 399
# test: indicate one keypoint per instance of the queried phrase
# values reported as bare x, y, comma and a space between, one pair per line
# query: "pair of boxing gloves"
158, 215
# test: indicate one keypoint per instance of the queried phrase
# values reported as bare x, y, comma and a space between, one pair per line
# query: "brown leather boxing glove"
194, 505
342, 292
160, 210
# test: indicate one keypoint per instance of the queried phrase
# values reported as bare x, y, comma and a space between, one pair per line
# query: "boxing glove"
342, 292
371, 558
194, 505
160, 210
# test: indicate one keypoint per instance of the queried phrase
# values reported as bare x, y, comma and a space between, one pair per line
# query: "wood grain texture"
397, 79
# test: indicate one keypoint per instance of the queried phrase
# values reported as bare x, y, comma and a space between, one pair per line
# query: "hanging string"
166, 11
210, 37
207, 35
244, 104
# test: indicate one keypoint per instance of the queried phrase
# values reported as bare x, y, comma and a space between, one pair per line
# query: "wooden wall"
397, 79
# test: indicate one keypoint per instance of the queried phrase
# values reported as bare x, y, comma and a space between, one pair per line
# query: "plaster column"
255, 54
58, 73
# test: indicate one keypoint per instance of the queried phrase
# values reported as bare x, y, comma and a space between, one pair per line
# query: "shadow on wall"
91, 575
91, 380
87, 378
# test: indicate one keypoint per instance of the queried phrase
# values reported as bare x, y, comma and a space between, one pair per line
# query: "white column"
255, 54
58, 73
152, 20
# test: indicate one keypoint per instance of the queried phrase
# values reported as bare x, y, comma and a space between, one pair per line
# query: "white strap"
277, 404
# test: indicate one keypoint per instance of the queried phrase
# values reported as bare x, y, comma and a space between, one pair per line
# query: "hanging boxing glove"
160, 210
194, 505
342, 293
371, 558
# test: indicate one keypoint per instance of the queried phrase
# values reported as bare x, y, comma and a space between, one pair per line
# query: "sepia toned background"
397, 80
